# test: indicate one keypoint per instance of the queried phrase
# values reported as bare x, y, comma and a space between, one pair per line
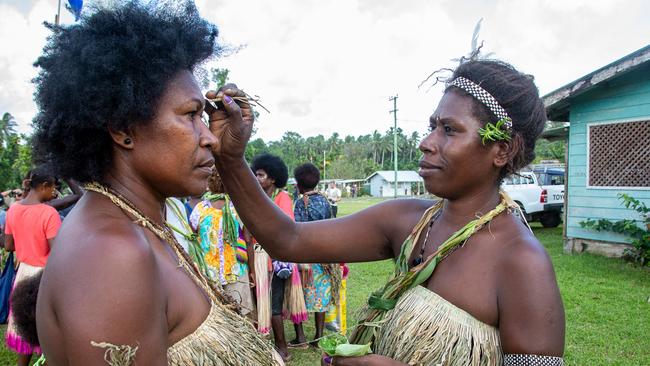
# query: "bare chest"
467, 277
187, 305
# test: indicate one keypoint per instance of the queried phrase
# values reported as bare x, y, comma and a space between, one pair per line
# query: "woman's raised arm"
365, 236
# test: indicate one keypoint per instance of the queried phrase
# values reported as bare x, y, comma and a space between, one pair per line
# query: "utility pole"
394, 112
57, 17
324, 165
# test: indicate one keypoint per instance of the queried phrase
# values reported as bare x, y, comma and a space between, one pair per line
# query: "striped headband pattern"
484, 97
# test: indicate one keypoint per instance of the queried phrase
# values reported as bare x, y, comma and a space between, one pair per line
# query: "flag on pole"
74, 6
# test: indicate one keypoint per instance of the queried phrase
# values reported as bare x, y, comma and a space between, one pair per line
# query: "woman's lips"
425, 172
205, 169
426, 169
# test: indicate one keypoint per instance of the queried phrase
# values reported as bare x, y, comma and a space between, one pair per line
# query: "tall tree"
15, 154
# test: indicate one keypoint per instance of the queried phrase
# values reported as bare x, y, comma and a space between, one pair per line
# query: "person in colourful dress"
30, 228
222, 245
272, 175
320, 281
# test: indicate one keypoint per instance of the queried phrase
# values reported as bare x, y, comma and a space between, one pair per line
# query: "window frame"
589, 125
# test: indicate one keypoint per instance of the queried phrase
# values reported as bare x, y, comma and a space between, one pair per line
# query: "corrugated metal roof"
402, 175
558, 101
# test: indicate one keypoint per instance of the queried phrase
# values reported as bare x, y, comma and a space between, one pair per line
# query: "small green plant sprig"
640, 251
336, 344
494, 132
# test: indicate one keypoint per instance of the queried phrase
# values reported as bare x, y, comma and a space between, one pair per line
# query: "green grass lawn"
607, 303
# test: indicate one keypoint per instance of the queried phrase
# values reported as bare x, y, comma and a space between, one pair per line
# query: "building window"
619, 154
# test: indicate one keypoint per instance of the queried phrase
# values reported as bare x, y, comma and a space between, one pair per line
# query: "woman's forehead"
455, 106
183, 86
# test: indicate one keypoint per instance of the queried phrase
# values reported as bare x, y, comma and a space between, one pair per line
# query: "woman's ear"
503, 153
506, 150
122, 139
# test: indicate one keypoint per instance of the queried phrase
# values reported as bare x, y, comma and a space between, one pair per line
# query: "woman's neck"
270, 190
143, 196
31, 199
461, 210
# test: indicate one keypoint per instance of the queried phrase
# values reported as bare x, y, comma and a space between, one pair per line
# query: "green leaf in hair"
492, 132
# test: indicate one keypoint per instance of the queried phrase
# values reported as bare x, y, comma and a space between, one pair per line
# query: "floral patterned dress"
317, 286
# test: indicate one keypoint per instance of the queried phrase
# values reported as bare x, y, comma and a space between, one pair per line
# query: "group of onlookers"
29, 226
210, 230
268, 291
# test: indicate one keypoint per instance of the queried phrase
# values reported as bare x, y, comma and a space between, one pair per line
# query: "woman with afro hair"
120, 112
272, 175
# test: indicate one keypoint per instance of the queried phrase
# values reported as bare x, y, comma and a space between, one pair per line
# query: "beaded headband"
492, 132
484, 97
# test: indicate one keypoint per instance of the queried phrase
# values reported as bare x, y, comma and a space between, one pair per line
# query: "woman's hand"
360, 361
231, 123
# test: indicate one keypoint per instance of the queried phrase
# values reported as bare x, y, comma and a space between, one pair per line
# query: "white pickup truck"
543, 203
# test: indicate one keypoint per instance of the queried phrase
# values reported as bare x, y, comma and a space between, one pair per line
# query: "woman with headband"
472, 285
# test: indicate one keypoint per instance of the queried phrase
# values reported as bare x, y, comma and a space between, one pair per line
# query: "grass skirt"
294, 307
15, 342
425, 329
262, 290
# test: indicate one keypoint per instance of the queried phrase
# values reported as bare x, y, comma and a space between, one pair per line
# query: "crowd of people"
209, 230
29, 226
151, 267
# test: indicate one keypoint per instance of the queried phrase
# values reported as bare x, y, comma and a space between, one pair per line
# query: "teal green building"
608, 148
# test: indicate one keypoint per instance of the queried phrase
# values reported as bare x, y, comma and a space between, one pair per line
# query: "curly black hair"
517, 94
307, 175
23, 307
273, 166
107, 73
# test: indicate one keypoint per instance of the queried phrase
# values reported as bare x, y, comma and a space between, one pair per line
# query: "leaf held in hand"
337, 345
352, 350
329, 343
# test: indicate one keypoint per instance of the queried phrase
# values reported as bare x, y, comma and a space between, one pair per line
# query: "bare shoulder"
99, 247
531, 313
405, 206
102, 282
105, 239
398, 217
521, 251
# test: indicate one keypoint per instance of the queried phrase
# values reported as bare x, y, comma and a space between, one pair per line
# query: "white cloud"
23, 37
324, 67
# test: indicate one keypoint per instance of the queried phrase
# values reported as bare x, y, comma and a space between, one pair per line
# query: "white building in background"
382, 183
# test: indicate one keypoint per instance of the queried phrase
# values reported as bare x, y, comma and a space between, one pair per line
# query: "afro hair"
273, 166
108, 73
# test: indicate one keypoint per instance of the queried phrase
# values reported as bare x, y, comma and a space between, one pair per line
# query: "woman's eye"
448, 129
